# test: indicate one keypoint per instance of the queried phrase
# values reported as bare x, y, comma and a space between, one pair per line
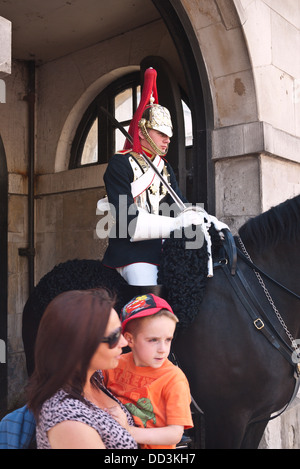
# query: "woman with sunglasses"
79, 334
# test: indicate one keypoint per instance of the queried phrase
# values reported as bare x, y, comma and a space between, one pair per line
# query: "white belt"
146, 179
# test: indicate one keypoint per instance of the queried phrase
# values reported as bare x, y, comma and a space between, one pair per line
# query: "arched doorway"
3, 276
200, 103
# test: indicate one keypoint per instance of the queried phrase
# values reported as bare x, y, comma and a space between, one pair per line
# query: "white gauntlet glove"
150, 226
191, 216
219, 225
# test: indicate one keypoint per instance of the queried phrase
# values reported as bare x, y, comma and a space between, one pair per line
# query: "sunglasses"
113, 339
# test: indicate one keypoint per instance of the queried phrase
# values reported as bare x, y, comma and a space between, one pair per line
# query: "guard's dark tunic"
121, 251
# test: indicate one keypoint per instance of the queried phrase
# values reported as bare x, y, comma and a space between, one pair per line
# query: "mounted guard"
145, 198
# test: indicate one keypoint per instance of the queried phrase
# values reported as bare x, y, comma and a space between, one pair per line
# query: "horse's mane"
279, 223
183, 272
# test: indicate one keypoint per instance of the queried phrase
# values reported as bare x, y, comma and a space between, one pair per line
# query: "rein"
261, 282
252, 310
250, 263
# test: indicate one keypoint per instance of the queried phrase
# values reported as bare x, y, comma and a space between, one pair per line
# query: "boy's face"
151, 344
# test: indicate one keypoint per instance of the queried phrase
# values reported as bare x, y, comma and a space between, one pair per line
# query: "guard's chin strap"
155, 148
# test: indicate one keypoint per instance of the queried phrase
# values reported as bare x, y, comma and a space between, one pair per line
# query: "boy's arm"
169, 435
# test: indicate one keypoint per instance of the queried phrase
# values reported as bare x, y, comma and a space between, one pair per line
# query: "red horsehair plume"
149, 89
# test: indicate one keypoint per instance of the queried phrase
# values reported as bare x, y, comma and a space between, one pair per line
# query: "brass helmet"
149, 115
158, 118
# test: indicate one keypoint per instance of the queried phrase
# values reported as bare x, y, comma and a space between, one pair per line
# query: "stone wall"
67, 218
283, 432
65, 201
13, 125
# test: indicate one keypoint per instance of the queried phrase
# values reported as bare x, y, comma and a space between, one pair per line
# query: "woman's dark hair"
69, 333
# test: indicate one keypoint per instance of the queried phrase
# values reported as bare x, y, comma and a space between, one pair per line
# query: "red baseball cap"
142, 306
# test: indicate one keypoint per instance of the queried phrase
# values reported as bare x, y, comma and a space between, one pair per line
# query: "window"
90, 150
125, 104
97, 139
188, 128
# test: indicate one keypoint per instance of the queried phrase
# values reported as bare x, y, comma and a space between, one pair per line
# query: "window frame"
106, 128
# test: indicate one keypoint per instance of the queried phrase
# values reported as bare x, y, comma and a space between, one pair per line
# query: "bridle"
268, 296
263, 322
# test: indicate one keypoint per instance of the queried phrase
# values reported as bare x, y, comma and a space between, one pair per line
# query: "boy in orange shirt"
155, 391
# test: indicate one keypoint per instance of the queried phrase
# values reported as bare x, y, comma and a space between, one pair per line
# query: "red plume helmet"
149, 89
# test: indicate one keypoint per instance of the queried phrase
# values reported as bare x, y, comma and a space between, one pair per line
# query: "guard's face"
160, 139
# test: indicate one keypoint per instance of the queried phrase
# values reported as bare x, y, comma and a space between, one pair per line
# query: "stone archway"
73, 119
212, 48
209, 40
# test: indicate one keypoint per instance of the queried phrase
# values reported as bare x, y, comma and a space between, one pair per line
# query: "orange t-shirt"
156, 397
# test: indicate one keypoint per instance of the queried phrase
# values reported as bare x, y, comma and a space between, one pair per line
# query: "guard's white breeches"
140, 273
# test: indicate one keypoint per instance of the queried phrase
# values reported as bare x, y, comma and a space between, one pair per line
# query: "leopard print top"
60, 407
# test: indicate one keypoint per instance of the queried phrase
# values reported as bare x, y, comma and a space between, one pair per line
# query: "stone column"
5, 55
256, 167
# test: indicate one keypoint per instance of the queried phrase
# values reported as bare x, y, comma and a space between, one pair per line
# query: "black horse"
237, 377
